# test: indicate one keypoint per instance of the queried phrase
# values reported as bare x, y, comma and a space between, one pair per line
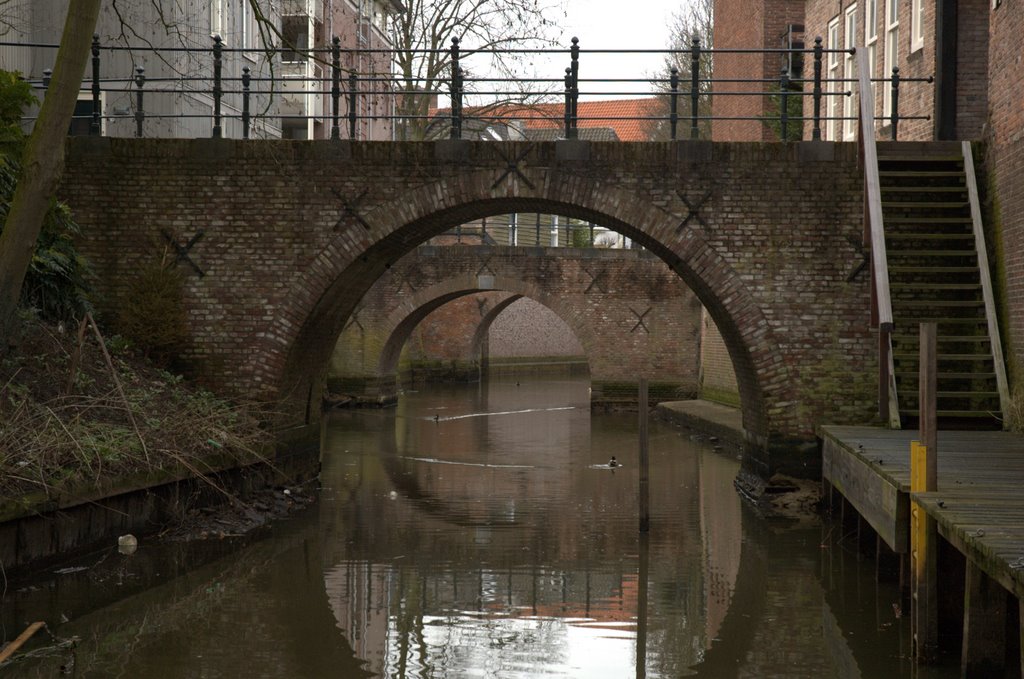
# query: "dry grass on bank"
60, 436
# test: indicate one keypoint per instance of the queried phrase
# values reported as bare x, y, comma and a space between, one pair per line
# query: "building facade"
168, 47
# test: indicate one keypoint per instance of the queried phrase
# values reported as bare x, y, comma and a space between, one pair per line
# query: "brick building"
971, 49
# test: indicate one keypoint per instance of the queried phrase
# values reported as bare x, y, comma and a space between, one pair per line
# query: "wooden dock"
978, 509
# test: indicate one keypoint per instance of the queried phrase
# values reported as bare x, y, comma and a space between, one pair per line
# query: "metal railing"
474, 100
534, 229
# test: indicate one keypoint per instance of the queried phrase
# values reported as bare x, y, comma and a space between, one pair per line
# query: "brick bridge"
631, 314
290, 236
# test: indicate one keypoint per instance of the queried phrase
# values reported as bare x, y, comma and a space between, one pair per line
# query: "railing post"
94, 126
894, 113
694, 87
784, 104
574, 63
218, 49
673, 116
568, 102
353, 85
140, 80
246, 81
335, 86
456, 124
816, 130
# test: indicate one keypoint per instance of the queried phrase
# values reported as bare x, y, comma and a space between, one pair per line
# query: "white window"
916, 25
892, 51
834, 88
217, 17
850, 74
249, 29
871, 42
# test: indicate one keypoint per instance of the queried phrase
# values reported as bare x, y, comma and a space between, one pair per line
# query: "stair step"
931, 235
902, 374
931, 153
943, 338
921, 173
957, 413
924, 189
944, 303
932, 253
910, 285
927, 220
914, 357
937, 205
933, 269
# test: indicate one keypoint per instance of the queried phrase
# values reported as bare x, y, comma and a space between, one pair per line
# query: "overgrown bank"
81, 415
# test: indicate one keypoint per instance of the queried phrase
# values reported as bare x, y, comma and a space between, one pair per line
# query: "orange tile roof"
620, 115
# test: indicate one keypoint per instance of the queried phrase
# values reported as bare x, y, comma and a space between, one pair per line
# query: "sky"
603, 24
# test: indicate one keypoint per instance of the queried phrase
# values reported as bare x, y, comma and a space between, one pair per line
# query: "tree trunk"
43, 160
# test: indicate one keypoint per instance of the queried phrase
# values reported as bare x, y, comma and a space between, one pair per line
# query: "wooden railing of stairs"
874, 238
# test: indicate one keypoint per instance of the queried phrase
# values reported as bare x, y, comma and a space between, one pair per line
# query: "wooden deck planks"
979, 504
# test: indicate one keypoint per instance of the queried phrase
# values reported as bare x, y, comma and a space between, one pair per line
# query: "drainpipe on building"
946, 18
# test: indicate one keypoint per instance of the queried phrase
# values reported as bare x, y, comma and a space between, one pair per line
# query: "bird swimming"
613, 462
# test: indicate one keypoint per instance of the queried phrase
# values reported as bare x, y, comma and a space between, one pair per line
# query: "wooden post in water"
984, 645
644, 463
923, 533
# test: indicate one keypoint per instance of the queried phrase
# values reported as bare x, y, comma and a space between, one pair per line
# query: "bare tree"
43, 160
693, 21
422, 35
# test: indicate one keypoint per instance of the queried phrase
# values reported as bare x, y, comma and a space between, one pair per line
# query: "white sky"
614, 24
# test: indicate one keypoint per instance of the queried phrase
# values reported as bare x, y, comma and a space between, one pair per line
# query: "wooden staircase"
935, 274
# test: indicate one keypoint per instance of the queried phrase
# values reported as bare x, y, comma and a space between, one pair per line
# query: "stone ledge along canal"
477, 531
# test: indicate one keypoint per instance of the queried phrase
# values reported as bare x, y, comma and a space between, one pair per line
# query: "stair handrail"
874, 237
986, 281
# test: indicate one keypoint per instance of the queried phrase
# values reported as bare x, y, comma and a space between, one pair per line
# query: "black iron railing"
381, 95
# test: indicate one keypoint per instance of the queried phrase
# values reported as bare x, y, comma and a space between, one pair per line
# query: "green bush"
153, 314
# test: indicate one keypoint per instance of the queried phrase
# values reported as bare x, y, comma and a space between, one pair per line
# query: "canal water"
477, 531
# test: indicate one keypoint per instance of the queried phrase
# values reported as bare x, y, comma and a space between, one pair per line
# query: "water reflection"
492, 541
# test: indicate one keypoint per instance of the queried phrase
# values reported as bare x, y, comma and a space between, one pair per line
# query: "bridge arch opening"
343, 280
401, 324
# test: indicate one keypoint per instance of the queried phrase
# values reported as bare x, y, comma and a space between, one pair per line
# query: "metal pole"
568, 102
335, 86
673, 117
784, 104
694, 87
140, 80
574, 53
894, 114
643, 496
456, 125
218, 48
94, 126
246, 81
816, 130
353, 85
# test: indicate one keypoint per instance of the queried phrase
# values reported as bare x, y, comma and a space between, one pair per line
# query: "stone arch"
299, 341
401, 322
476, 345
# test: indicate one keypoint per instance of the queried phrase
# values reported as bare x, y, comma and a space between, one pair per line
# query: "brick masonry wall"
717, 377
738, 24
528, 329
596, 296
287, 262
743, 24
1006, 166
